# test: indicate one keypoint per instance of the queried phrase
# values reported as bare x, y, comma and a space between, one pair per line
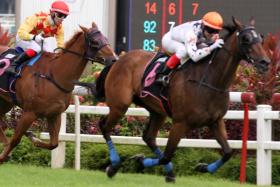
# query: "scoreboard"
142, 23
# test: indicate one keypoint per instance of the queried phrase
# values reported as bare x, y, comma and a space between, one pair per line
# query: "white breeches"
49, 44
174, 47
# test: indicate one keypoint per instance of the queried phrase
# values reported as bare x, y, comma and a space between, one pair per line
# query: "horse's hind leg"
3, 126
220, 134
23, 124
106, 125
149, 136
4, 108
54, 123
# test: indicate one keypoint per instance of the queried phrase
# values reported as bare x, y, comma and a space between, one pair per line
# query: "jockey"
182, 41
33, 33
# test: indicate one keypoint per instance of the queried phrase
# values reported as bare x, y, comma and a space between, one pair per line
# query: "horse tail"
100, 83
90, 86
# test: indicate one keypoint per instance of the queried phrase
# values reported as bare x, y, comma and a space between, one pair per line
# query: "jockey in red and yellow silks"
33, 34
41, 23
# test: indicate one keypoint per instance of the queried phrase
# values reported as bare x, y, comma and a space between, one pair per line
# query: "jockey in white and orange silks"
181, 41
33, 33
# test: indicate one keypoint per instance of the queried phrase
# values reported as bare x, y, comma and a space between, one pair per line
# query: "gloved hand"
218, 44
39, 38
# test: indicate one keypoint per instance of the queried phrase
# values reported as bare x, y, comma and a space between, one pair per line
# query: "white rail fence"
263, 145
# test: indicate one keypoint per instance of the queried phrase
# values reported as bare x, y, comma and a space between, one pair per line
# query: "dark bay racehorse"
44, 90
198, 95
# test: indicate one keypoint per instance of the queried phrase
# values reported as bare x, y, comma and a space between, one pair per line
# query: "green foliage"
6, 38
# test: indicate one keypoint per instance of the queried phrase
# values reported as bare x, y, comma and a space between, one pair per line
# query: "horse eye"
247, 39
94, 43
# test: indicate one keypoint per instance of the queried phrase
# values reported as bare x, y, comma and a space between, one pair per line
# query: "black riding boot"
163, 76
19, 60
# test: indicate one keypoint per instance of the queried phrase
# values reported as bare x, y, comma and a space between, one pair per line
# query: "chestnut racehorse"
198, 95
44, 90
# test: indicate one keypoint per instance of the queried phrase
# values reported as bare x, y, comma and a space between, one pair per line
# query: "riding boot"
19, 60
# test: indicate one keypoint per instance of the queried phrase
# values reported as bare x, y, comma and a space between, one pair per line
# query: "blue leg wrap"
114, 157
168, 167
212, 168
150, 162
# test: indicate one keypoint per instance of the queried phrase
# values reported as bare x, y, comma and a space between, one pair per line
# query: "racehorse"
44, 90
198, 95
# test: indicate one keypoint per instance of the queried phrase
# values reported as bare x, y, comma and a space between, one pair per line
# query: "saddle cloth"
152, 88
7, 81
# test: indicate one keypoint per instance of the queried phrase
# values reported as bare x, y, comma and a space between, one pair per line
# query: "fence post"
77, 133
58, 154
264, 176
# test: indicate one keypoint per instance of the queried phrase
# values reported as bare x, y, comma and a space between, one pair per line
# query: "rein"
242, 52
202, 82
95, 59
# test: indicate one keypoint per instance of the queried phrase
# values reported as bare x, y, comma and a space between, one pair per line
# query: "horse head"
250, 46
97, 45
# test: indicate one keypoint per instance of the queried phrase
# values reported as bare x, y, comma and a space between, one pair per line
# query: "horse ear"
252, 21
84, 29
236, 23
94, 25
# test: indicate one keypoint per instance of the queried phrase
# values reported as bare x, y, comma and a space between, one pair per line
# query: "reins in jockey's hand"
100, 60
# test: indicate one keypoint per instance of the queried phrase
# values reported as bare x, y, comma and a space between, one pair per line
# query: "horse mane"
73, 39
230, 30
69, 43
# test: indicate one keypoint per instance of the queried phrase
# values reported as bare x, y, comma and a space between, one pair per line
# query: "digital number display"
142, 23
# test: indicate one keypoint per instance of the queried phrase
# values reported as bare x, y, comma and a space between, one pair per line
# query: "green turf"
30, 176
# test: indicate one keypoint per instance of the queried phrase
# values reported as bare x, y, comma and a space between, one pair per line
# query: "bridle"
94, 42
246, 38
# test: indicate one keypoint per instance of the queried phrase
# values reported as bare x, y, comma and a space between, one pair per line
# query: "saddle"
7, 81
151, 87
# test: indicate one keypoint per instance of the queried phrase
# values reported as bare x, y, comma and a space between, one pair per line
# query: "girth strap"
51, 79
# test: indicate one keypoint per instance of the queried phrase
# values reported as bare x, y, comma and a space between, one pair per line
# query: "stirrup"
163, 79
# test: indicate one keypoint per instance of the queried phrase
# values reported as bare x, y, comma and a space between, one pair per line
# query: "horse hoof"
111, 171
139, 159
2, 160
201, 167
170, 177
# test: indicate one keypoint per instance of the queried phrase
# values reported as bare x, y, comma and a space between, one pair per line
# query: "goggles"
210, 30
60, 15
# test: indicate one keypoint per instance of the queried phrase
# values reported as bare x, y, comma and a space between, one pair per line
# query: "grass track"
31, 176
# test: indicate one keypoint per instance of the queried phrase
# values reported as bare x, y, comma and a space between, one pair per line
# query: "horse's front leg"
220, 134
149, 136
54, 123
23, 124
177, 132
